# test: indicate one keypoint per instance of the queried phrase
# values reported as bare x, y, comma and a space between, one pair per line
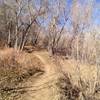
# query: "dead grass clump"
9, 70
85, 90
13, 73
89, 90
67, 90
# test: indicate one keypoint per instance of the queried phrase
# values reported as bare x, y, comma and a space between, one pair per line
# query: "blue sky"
96, 10
98, 1
96, 17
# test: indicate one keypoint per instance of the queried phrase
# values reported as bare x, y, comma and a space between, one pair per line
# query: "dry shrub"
14, 71
84, 51
89, 90
85, 90
67, 90
9, 71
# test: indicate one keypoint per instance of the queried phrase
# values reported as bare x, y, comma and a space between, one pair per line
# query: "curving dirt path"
43, 88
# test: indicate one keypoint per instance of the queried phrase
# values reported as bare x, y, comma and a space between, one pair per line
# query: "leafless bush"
67, 90
89, 90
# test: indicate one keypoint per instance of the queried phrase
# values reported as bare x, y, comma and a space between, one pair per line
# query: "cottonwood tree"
34, 14
4, 20
56, 27
80, 20
13, 12
24, 15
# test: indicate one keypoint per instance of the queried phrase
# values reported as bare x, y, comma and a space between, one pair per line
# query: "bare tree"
56, 28
80, 21
18, 12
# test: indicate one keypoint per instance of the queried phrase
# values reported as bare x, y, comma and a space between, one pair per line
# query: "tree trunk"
16, 39
9, 40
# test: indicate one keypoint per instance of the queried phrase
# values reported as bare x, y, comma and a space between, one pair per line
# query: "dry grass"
15, 69
84, 76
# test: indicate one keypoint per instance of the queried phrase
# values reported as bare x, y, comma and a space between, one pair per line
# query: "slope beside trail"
43, 88
42, 84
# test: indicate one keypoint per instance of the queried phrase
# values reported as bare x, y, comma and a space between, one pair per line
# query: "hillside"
45, 78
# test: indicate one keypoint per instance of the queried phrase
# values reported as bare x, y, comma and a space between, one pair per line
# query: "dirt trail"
43, 88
